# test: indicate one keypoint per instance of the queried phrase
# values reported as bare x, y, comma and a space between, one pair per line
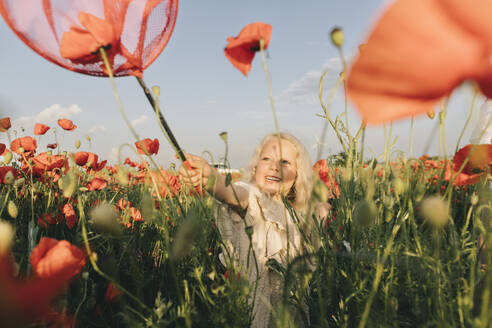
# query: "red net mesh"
70, 32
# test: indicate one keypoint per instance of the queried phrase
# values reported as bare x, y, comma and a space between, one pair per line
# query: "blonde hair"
301, 189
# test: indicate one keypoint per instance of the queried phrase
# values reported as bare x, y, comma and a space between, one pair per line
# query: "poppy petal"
241, 50
418, 52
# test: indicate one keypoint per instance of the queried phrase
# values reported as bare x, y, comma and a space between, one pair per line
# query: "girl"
266, 226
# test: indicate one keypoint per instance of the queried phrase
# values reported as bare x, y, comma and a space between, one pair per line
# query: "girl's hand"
195, 170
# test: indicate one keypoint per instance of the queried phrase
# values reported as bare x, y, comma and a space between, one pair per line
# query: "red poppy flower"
93, 164
5, 124
70, 217
53, 258
151, 146
112, 293
66, 124
81, 45
49, 165
81, 158
241, 50
28, 300
2, 148
419, 51
46, 219
40, 129
97, 184
167, 183
325, 175
3, 172
27, 143
477, 167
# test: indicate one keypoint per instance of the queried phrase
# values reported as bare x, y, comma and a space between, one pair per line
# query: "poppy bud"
156, 91
7, 158
435, 210
364, 213
474, 199
431, 114
77, 144
8, 178
20, 150
12, 209
337, 36
223, 136
6, 236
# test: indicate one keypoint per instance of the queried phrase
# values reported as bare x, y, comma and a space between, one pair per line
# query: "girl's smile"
268, 176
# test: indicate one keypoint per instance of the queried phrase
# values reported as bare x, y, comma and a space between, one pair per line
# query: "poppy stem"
475, 94
162, 120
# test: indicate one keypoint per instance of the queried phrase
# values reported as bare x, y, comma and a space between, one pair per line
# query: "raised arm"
196, 170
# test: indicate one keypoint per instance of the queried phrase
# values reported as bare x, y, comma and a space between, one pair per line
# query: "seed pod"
77, 144
223, 136
337, 37
12, 209
435, 210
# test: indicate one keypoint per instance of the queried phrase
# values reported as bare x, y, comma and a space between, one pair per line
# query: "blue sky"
203, 95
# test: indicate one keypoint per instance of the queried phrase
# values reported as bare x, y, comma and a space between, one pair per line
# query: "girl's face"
268, 176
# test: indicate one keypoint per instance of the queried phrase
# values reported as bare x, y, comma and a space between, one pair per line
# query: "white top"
484, 117
274, 236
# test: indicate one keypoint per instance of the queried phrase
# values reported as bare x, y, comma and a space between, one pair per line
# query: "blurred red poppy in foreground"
53, 258
5, 124
40, 129
478, 166
66, 124
151, 146
241, 50
27, 144
419, 51
328, 178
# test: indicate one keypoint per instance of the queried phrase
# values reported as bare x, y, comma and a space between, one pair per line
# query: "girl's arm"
196, 170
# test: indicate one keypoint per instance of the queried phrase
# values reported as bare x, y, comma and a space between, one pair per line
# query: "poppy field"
407, 241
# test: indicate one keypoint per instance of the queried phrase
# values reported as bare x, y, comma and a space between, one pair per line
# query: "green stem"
467, 120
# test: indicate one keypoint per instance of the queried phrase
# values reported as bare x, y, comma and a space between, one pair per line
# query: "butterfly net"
70, 32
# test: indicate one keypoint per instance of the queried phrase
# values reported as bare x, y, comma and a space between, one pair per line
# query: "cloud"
96, 129
139, 121
113, 155
49, 115
305, 90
